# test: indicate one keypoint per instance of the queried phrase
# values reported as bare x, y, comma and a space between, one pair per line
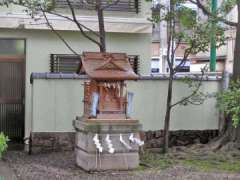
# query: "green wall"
40, 44
57, 102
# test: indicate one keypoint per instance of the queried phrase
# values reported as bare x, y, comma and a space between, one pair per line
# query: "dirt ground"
61, 166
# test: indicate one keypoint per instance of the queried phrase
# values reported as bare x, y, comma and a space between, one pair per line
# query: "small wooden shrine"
104, 131
105, 94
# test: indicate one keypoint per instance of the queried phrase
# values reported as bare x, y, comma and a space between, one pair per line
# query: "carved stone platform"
87, 156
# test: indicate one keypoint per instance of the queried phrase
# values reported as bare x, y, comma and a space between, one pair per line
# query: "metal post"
213, 56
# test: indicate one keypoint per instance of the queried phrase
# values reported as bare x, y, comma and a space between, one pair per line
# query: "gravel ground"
61, 166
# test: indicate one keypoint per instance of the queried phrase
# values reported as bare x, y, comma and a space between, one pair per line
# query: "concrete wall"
40, 44
57, 102
145, 11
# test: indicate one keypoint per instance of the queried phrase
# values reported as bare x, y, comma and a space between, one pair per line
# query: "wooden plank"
10, 100
9, 58
11, 96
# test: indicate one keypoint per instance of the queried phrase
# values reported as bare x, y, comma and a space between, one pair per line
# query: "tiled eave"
112, 24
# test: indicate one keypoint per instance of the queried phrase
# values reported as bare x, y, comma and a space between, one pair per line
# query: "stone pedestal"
87, 156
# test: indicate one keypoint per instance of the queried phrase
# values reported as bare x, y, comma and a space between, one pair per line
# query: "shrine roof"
107, 66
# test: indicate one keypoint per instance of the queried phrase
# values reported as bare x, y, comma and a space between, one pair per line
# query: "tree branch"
170, 65
79, 26
193, 93
63, 16
172, 42
64, 41
169, 47
70, 19
208, 13
183, 61
109, 5
177, 45
59, 35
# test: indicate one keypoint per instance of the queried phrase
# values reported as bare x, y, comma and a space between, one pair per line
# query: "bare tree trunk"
168, 114
236, 63
170, 59
101, 26
230, 133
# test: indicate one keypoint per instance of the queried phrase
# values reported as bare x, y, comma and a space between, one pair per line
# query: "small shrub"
3, 143
229, 101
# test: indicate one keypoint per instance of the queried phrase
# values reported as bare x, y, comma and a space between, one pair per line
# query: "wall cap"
178, 76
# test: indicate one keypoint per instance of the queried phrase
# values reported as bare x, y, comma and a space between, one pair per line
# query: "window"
69, 63
122, 5
155, 65
134, 61
64, 63
185, 67
12, 47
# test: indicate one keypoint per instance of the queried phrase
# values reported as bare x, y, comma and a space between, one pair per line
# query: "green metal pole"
213, 54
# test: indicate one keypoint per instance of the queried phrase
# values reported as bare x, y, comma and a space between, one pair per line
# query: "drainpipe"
213, 39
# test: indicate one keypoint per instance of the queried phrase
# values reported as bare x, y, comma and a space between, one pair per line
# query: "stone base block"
101, 162
87, 155
85, 141
51, 141
106, 126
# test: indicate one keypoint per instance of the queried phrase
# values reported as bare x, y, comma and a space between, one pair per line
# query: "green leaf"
3, 143
229, 102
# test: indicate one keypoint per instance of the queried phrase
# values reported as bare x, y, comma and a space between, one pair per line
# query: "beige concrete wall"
231, 34
155, 49
144, 11
15, 17
57, 102
40, 44
196, 67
